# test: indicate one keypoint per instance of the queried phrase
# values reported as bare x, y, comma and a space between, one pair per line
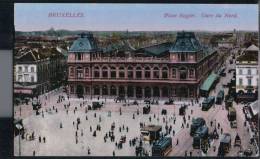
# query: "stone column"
109, 73
160, 90
151, 91
134, 73
108, 90
125, 90
117, 90
143, 92
101, 90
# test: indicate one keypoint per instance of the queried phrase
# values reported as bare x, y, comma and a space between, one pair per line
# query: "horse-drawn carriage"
146, 110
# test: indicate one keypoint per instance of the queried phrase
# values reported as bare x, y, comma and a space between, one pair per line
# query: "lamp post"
19, 128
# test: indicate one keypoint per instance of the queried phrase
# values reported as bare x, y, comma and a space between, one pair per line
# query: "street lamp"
19, 127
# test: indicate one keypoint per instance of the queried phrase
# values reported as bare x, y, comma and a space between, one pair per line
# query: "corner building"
164, 70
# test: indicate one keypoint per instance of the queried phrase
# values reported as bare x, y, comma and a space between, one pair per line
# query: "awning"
209, 82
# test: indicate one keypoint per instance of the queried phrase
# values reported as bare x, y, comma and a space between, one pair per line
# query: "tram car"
220, 97
196, 123
208, 103
162, 147
200, 138
225, 144
96, 105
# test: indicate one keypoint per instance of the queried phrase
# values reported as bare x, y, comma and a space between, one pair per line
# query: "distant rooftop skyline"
136, 17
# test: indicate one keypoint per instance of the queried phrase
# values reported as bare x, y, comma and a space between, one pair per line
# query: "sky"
136, 17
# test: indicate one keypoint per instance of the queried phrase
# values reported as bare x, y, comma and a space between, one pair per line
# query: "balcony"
129, 80
123, 60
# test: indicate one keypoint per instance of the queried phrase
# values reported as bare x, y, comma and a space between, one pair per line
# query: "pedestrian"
133, 116
99, 118
173, 132
44, 139
114, 153
73, 123
177, 142
67, 111
81, 132
56, 110
182, 125
150, 118
211, 123
90, 128
40, 139
34, 153
221, 130
60, 125
95, 115
127, 129
190, 153
191, 111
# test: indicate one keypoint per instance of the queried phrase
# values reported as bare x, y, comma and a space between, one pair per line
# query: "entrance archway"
80, 90
165, 92
156, 92
130, 91
121, 91
139, 93
183, 92
147, 92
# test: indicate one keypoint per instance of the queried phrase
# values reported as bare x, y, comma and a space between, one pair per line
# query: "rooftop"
85, 43
186, 42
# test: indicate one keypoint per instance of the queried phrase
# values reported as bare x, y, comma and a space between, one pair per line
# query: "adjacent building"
38, 70
247, 73
164, 70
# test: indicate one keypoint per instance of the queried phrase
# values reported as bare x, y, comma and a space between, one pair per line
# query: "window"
174, 73
20, 78
32, 69
121, 72
79, 72
71, 71
32, 78
156, 72
249, 71
240, 71
113, 72
240, 81
79, 55
191, 73
182, 57
138, 73
86, 72
130, 72
249, 82
104, 72
96, 72
183, 73
26, 77
20, 69
147, 72
165, 72
25, 68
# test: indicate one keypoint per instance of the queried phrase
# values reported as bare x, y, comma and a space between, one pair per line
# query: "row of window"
26, 69
249, 81
25, 78
130, 72
249, 72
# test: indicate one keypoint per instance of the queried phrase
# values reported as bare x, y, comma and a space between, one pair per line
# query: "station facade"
165, 70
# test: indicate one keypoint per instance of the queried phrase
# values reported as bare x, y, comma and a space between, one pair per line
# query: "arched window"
79, 72
183, 73
104, 72
165, 92
130, 74
96, 90
96, 72
165, 72
138, 72
71, 71
191, 73
104, 90
147, 73
86, 72
174, 72
113, 90
121, 72
156, 91
113, 72
156, 73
